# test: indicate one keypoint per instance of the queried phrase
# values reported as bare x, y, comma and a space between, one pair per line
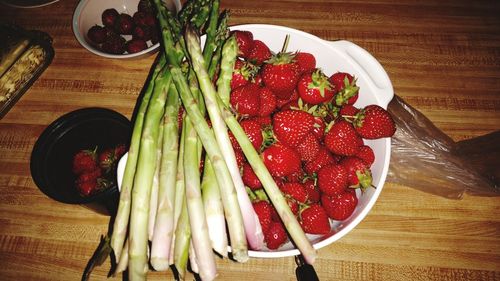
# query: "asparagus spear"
122, 217
155, 186
164, 224
141, 192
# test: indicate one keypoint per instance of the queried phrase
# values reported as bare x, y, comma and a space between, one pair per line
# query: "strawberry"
291, 126
120, 150
332, 179
264, 121
345, 86
294, 205
84, 161
240, 158
253, 130
319, 127
323, 158
281, 160
243, 73
86, 188
259, 53
308, 148
373, 122
245, 100
295, 190
264, 211
249, 177
314, 87
296, 176
341, 205
275, 236
358, 173
245, 42
314, 220
366, 154
281, 74
313, 195
342, 139
234, 142
287, 99
306, 61
107, 158
348, 111
86, 183
267, 102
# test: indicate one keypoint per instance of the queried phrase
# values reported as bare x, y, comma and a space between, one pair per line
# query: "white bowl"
375, 88
88, 13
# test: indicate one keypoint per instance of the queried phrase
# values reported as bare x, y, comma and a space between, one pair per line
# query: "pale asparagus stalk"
179, 191
123, 262
153, 202
252, 229
164, 225
199, 228
141, 192
193, 261
273, 192
182, 240
120, 224
214, 210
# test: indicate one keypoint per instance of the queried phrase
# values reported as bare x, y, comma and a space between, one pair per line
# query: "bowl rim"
81, 39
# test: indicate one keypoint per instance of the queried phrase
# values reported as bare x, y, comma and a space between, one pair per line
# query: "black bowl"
51, 158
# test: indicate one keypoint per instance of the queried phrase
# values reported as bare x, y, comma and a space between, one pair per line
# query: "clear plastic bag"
425, 158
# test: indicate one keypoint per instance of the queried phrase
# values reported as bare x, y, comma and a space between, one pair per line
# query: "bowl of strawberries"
75, 158
324, 130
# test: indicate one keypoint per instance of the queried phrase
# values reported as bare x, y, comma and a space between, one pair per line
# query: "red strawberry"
253, 130
314, 87
259, 53
120, 150
245, 42
313, 195
319, 127
267, 102
264, 211
348, 111
342, 139
294, 205
314, 220
264, 121
306, 61
243, 73
297, 176
341, 205
87, 183
358, 172
323, 158
332, 179
107, 158
308, 148
291, 126
249, 177
281, 160
240, 158
281, 74
345, 86
275, 236
84, 161
295, 190
373, 122
282, 102
234, 142
366, 154
245, 100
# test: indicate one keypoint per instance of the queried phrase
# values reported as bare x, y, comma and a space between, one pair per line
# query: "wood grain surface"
443, 58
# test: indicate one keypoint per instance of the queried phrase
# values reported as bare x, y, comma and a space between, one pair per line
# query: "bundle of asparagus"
164, 198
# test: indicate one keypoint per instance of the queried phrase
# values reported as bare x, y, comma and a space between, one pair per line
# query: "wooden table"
443, 58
